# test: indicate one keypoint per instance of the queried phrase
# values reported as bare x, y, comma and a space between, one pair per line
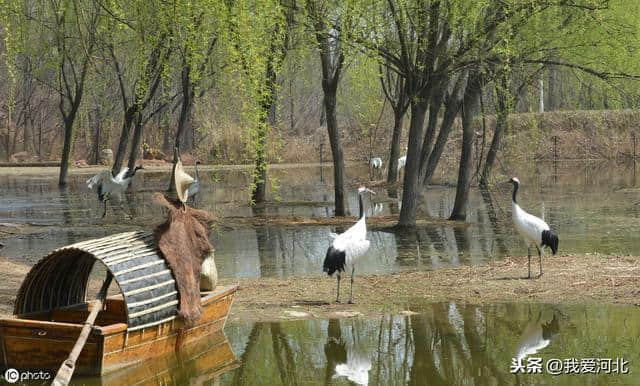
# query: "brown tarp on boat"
184, 242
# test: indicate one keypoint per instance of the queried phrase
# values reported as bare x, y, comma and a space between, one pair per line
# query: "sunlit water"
436, 344
594, 207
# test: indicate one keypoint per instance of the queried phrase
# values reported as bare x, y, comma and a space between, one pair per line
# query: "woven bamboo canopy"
60, 279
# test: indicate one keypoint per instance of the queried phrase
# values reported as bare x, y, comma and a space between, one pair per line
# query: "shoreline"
589, 278
567, 279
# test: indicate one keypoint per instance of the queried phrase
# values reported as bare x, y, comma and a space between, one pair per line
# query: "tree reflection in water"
437, 344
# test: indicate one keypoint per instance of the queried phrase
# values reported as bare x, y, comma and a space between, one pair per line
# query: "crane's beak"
370, 191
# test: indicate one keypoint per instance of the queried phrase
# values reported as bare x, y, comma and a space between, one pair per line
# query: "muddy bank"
373, 222
567, 279
155, 167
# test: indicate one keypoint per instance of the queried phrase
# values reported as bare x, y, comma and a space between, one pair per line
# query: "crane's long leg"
338, 292
124, 210
105, 208
540, 257
529, 253
353, 269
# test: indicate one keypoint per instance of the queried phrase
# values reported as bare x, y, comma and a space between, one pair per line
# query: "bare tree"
72, 23
327, 32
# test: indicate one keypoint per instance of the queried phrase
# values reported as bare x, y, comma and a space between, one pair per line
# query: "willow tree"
12, 30
70, 32
198, 30
146, 28
596, 40
259, 31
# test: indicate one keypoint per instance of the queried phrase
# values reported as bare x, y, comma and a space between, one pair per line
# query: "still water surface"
436, 344
594, 207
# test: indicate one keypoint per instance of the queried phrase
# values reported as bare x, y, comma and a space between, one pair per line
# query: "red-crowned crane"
533, 229
346, 248
536, 336
376, 162
401, 162
195, 186
109, 186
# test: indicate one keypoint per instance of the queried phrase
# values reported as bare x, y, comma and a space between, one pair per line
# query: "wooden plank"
211, 356
133, 354
39, 328
104, 318
25, 352
110, 330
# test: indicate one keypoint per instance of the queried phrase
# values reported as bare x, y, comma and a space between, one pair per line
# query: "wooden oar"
63, 377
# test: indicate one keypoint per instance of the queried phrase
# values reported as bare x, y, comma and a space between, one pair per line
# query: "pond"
594, 207
439, 343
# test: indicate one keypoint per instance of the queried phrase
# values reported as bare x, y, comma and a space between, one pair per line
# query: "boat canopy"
147, 283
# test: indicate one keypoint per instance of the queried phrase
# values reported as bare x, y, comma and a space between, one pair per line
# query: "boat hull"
30, 343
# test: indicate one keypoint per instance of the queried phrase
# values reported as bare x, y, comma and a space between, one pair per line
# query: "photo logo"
11, 375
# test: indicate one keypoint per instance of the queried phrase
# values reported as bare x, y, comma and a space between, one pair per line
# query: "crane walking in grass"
108, 186
533, 229
347, 247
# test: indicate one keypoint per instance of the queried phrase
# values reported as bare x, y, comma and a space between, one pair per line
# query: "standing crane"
109, 186
346, 248
195, 186
401, 162
375, 164
533, 229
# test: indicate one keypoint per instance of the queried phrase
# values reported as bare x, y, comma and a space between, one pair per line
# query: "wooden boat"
200, 363
138, 324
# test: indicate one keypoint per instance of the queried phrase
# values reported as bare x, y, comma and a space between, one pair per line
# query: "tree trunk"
124, 139
135, 144
267, 118
541, 90
552, 91
259, 193
470, 104
336, 149
504, 105
452, 106
450, 113
66, 149
394, 151
96, 122
185, 108
427, 145
412, 168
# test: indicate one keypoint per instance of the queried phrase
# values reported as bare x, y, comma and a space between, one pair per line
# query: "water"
593, 206
442, 343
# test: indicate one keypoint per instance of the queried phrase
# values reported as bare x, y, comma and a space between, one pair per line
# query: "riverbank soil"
566, 279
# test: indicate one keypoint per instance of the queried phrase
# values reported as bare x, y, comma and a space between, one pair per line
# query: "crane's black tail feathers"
333, 261
101, 193
550, 239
